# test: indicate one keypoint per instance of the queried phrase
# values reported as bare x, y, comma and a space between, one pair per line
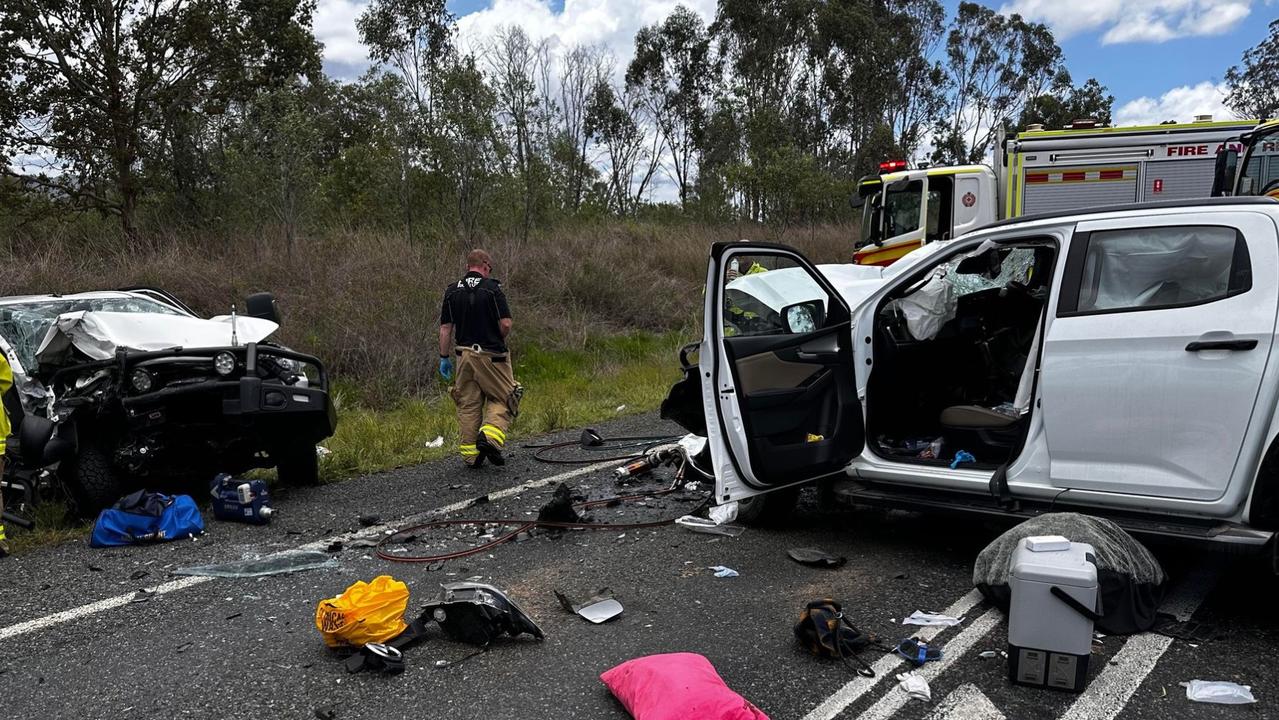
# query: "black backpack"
824, 631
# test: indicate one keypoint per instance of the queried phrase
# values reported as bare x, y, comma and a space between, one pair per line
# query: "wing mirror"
263, 305
1223, 174
804, 317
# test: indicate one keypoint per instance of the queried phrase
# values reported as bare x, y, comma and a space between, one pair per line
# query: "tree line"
217, 113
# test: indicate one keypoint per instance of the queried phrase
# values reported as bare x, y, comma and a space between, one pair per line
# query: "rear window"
1164, 267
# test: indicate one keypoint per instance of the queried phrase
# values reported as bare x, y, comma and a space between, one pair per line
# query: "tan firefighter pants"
485, 392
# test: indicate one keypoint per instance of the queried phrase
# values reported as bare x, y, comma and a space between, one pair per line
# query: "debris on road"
919, 617
709, 527
723, 514
369, 520
675, 686
477, 614
263, 566
816, 557
599, 608
1218, 691
377, 657
560, 508
723, 571
825, 631
917, 652
915, 686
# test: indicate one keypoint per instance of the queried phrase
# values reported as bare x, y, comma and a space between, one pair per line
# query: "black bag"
824, 631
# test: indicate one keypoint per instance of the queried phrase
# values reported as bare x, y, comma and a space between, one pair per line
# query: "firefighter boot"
489, 450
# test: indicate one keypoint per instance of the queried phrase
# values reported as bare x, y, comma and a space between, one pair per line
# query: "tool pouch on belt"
824, 631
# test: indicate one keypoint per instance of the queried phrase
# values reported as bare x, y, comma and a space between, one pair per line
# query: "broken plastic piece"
600, 608
816, 557
915, 686
1219, 691
723, 514
987, 654
722, 571
702, 525
260, 567
560, 508
920, 617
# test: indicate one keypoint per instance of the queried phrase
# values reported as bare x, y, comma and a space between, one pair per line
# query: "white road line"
890, 703
1110, 691
848, 694
966, 702
93, 608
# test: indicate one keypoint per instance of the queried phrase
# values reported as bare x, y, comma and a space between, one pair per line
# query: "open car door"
778, 386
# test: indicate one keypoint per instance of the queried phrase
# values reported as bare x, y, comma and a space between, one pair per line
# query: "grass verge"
605, 378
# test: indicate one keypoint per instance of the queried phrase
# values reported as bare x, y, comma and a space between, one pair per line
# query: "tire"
93, 482
297, 465
768, 510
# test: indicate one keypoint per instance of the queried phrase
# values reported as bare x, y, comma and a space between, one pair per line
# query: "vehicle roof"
1158, 205
95, 295
917, 172
1168, 129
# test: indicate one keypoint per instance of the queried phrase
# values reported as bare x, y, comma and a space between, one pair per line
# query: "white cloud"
1180, 103
611, 23
1122, 21
334, 25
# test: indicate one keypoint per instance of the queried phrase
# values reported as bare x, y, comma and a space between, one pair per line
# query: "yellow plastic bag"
365, 613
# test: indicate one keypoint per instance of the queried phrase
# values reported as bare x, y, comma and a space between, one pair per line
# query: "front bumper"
262, 411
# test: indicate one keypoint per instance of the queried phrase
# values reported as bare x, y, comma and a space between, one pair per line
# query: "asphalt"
78, 641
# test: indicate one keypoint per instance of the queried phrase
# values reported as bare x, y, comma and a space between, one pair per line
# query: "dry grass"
368, 303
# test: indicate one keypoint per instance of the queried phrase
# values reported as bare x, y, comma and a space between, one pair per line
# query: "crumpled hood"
99, 334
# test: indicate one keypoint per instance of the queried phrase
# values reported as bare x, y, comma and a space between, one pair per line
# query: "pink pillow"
676, 686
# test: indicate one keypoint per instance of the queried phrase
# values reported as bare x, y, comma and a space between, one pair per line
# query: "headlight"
141, 380
224, 363
288, 365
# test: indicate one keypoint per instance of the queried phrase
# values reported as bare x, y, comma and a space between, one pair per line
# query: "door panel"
1154, 361
780, 396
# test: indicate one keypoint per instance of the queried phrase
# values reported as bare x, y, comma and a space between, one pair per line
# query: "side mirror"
857, 201
804, 317
869, 185
1223, 173
263, 305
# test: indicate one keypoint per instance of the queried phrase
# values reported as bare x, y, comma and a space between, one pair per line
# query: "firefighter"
474, 323
6, 382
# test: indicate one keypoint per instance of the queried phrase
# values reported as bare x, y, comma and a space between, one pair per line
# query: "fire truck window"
941, 201
901, 209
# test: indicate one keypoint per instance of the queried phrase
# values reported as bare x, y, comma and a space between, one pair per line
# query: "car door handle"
1239, 345
826, 357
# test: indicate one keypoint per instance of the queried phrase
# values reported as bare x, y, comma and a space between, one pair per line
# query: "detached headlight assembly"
224, 363
141, 380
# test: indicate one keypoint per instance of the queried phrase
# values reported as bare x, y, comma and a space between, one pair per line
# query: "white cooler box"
1054, 600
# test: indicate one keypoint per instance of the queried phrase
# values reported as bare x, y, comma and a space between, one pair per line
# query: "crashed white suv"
1115, 362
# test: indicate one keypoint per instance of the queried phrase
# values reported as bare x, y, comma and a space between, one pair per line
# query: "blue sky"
1161, 59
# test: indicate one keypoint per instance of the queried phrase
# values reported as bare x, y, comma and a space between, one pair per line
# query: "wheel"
297, 465
766, 510
92, 481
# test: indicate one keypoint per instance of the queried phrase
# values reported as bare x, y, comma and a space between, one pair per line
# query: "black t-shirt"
474, 305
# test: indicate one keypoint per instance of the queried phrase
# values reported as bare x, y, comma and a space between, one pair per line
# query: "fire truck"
1043, 170
1249, 164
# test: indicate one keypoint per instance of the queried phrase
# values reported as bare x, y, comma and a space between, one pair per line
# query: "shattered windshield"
24, 325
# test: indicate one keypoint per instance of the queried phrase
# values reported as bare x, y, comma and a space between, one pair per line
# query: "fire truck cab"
1040, 171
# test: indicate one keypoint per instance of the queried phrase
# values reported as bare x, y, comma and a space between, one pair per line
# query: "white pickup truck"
1114, 362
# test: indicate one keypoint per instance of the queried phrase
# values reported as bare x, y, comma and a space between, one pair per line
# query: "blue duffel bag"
147, 517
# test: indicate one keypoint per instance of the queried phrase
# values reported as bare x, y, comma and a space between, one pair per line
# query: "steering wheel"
1271, 189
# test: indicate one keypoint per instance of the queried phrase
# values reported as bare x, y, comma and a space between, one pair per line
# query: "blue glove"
446, 368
